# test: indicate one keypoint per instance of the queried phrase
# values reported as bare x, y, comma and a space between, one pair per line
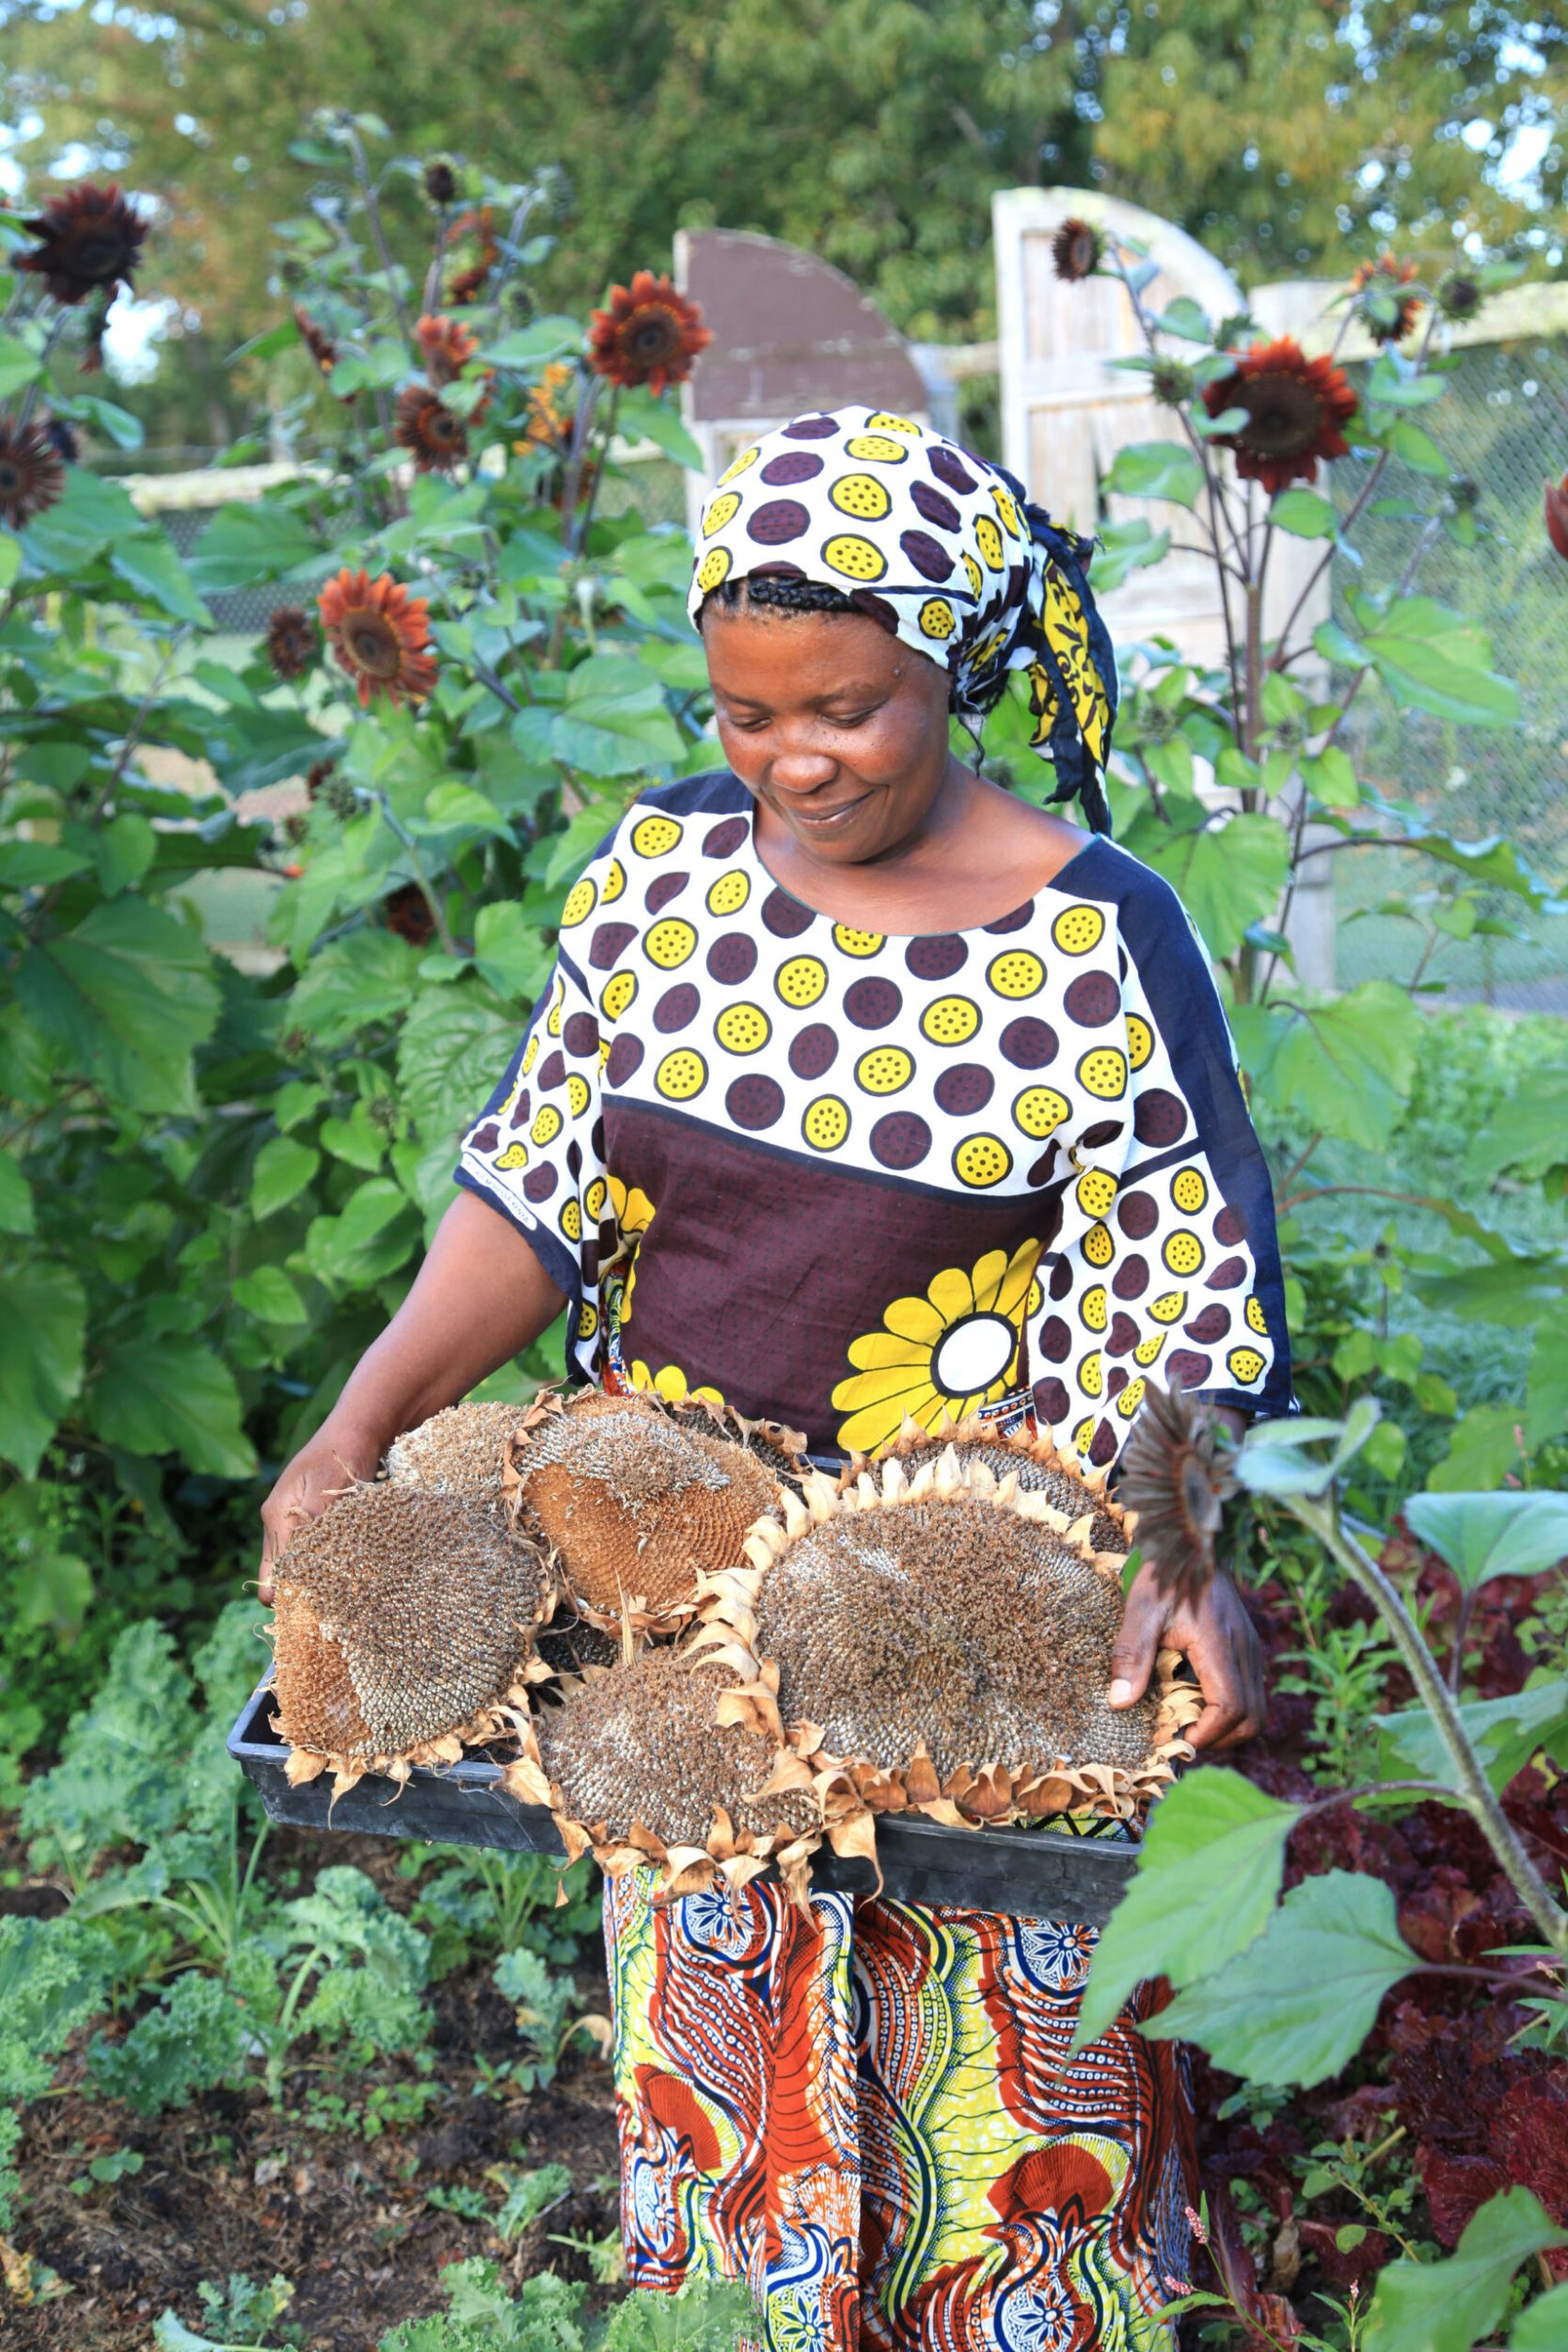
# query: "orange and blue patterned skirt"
871, 2116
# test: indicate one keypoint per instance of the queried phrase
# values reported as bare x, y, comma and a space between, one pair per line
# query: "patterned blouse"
832, 1176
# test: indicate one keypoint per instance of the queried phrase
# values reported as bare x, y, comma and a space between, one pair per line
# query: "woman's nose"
802, 771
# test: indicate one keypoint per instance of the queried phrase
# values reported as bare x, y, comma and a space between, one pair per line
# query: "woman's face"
832, 723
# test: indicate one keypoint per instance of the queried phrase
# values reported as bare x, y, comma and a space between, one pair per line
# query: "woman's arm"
480, 1299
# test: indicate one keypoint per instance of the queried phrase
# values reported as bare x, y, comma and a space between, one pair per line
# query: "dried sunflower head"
1175, 1484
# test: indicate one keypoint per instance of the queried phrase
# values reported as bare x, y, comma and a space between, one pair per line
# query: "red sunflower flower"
1295, 410
1556, 514
650, 334
446, 346
436, 434
380, 635
290, 642
32, 473
1390, 313
1075, 249
471, 283
317, 341
90, 238
407, 913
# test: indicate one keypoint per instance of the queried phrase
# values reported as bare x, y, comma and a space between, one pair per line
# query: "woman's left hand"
1216, 1636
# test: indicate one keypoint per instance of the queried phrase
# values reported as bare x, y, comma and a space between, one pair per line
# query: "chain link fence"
1503, 424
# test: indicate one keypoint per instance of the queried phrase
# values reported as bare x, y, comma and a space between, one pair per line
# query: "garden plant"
216, 1178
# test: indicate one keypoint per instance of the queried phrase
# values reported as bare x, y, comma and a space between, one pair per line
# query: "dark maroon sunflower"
1176, 1482
649, 334
290, 642
407, 913
380, 634
1556, 514
1459, 296
436, 434
1296, 408
32, 476
440, 180
1389, 313
90, 238
1075, 249
317, 774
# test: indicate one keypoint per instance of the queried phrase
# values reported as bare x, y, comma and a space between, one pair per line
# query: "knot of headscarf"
946, 551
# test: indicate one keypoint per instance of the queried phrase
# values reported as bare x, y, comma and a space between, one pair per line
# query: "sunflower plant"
215, 1183
1234, 778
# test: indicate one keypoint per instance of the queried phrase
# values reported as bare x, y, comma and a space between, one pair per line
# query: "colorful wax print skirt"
871, 2116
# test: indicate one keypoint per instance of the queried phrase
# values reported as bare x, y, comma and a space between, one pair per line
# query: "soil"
232, 2183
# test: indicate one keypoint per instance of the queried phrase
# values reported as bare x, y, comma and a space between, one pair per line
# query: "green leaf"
1505, 1734
527, 347
510, 952
150, 566
1163, 469
1448, 2306
1534, 1136
1336, 645
124, 848
1343, 1069
244, 546
92, 515
1296, 2005
356, 1139
172, 1395
1228, 876
43, 1314
1546, 1387
451, 807
1330, 777
16, 1198
284, 1167
125, 995
453, 1047
1206, 1880
1543, 2327
373, 1237
1512, 1290
1481, 1449
365, 977
642, 417
20, 365
1304, 514
267, 1292
1439, 660
1480, 1536
34, 864
614, 720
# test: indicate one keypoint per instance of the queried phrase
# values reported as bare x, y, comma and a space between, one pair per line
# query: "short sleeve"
1165, 1260
535, 1151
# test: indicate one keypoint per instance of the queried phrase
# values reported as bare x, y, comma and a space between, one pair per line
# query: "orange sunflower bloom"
436, 434
649, 334
1391, 314
446, 346
91, 238
1295, 410
380, 635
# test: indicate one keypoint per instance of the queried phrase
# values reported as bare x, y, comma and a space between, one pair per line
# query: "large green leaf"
1505, 1734
1298, 2003
1156, 469
1343, 1069
1448, 2306
1228, 876
284, 1167
1544, 2326
510, 952
453, 1047
373, 1237
1206, 1884
267, 1292
1547, 1386
368, 977
1512, 1290
1513, 1533
614, 720
125, 997
1534, 1134
43, 1314
172, 1395
16, 1198
149, 565
243, 546
91, 515
1440, 661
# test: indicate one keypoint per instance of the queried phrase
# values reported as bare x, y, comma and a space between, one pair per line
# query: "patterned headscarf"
944, 547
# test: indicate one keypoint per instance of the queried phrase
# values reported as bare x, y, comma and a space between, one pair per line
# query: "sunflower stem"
427, 891
1319, 1516
372, 213
579, 522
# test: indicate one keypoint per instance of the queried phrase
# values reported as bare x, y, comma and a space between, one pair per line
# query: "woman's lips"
823, 820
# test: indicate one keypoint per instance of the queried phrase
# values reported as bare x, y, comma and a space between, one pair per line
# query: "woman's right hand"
320, 1472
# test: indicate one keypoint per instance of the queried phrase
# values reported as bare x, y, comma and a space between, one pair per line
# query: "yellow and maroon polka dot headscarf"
947, 550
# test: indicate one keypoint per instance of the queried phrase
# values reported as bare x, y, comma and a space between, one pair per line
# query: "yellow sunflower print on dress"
634, 1213
950, 1352
670, 1382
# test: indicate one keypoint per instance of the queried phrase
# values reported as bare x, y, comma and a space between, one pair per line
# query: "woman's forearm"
480, 1299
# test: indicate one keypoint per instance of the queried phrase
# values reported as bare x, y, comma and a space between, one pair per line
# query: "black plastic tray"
1038, 1874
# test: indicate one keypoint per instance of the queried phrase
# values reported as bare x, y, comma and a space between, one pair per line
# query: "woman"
863, 1089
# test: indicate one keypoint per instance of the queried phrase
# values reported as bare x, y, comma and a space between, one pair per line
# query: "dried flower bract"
1175, 1484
